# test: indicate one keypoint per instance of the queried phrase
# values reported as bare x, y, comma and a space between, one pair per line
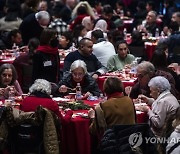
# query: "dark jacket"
173, 42
48, 72
30, 28
92, 63
124, 139
89, 84
137, 90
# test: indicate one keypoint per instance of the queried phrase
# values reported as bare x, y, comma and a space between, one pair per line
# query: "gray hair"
41, 85
146, 67
78, 63
42, 15
160, 82
153, 12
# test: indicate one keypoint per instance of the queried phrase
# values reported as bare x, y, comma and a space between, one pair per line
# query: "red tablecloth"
8, 60
126, 83
75, 135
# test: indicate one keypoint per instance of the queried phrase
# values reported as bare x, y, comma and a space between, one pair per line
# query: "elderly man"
149, 25
146, 71
33, 25
94, 66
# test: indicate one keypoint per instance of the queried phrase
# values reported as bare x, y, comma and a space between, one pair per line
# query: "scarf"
47, 49
114, 95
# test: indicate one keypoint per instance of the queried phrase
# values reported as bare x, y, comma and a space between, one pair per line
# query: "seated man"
94, 66
149, 25
146, 71
102, 48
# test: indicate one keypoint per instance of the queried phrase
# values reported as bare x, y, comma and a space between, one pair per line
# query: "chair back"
127, 139
138, 51
26, 138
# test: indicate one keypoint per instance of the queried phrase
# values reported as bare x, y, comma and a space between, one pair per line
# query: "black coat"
49, 72
123, 138
30, 28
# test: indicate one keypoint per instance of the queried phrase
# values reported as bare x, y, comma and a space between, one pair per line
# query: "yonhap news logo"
136, 139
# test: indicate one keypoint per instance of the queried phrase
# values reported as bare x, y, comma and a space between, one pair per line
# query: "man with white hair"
33, 25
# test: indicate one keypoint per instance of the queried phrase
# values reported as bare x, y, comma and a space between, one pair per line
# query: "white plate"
60, 99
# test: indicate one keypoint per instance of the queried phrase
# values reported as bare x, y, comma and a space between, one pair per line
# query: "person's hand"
2, 91
143, 98
63, 89
143, 108
87, 94
91, 113
95, 76
10, 90
24, 49
128, 90
173, 66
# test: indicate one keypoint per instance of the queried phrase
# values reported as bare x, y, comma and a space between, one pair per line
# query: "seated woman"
8, 81
78, 74
39, 95
118, 109
164, 104
122, 58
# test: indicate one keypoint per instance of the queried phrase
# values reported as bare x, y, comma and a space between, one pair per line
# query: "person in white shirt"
102, 48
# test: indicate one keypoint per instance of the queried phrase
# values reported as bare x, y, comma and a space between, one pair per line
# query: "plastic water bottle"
78, 92
11, 94
157, 32
125, 33
15, 52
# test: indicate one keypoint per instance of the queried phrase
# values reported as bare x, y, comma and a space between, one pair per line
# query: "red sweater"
30, 103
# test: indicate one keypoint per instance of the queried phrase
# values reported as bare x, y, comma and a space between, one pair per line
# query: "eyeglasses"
80, 75
140, 76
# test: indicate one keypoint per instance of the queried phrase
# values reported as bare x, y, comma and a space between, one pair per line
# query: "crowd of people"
90, 37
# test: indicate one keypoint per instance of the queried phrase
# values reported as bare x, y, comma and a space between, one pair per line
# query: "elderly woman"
78, 74
39, 95
122, 58
118, 109
8, 81
164, 104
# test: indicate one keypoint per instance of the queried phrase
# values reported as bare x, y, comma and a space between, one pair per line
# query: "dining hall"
89, 77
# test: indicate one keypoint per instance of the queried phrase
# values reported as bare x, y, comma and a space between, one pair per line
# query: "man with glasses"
146, 71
